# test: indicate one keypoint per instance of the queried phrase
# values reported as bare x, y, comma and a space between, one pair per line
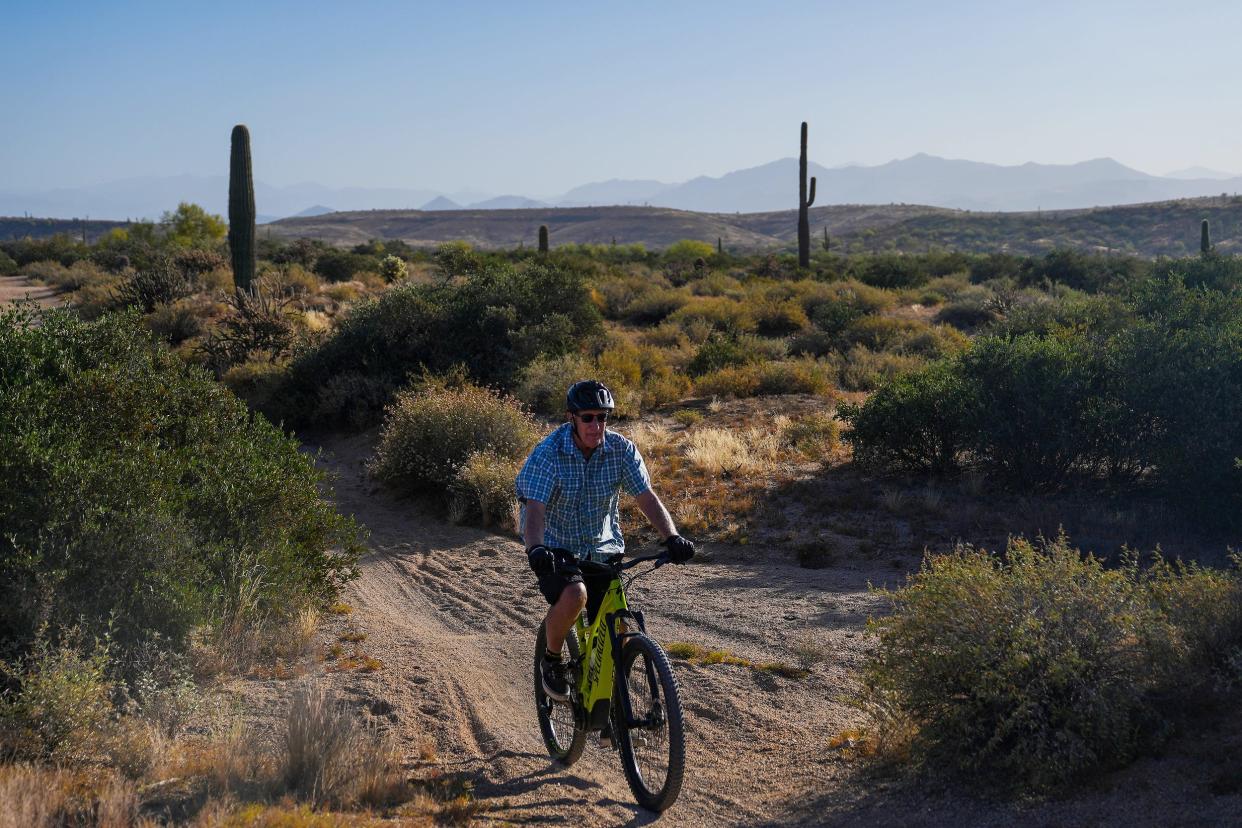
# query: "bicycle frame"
600, 643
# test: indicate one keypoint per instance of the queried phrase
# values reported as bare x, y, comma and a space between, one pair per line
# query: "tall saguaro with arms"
805, 201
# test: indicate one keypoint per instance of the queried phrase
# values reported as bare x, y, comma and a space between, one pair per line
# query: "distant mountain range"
921, 179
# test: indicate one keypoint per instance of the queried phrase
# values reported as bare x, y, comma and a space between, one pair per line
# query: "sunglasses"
590, 418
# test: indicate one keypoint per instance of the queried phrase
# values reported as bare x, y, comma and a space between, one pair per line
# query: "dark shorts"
552, 585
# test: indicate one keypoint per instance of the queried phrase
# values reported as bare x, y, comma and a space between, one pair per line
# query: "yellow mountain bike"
620, 682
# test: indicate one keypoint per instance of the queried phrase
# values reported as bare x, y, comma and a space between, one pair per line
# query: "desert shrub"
59, 277
484, 487
392, 268
160, 284
717, 284
718, 313
881, 333
967, 312
616, 291
174, 323
1034, 401
722, 352
860, 369
802, 376
934, 341
1036, 667
780, 318
891, 271
351, 399
653, 306
194, 262
428, 435
813, 435
257, 324
8, 265
543, 383
117, 458
290, 280
765, 379
736, 381
687, 416
258, 382
493, 323
918, 421
457, 258
61, 711
340, 266
813, 342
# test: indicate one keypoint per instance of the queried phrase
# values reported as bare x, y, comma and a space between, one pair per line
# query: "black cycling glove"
541, 559
679, 549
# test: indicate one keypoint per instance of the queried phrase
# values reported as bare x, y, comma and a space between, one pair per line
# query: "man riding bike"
568, 488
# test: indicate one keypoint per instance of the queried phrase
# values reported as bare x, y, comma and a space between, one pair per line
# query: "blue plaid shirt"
581, 495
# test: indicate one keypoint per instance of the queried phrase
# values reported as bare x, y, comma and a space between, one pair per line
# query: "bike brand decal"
597, 657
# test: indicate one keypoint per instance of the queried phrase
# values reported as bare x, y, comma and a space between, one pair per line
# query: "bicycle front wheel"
653, 751
562, 733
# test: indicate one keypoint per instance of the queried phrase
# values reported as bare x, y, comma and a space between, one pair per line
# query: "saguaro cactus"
241, 210
543, 238
805, 200
826, 243
1205, 239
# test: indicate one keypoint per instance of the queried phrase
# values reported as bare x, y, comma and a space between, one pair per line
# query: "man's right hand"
541, 559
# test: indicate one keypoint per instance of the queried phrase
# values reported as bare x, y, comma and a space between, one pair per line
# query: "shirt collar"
567, 441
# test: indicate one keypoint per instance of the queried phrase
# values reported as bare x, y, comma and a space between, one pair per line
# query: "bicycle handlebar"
661, 558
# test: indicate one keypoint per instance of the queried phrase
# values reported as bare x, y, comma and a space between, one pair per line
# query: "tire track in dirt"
452, 613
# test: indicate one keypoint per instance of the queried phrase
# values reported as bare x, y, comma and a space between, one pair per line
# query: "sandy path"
13, 288
452, 612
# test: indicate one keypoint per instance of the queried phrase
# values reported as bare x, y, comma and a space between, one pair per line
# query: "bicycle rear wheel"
653, 751
558, 721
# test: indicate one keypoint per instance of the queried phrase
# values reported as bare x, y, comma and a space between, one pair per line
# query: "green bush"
653, 306
61, 710
429, 435
118, 460
766, 379
484, 487
860, 369
717, 312
1031, 669
493, 323
919, 421
160, 284
544, 382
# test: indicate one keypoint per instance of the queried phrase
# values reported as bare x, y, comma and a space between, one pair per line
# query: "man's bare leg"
563, 613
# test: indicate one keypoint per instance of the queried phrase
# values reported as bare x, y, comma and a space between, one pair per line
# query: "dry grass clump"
1042, 665
330, 758
36, 796
701, 656
809, 650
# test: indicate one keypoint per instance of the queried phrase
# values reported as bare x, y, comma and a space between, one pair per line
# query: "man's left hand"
679, 549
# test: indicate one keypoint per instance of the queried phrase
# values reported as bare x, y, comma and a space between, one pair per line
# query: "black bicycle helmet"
587, 394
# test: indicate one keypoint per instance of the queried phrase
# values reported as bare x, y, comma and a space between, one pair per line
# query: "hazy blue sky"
539, 97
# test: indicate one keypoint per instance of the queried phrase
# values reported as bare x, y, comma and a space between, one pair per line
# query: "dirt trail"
13, 288
452, 613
